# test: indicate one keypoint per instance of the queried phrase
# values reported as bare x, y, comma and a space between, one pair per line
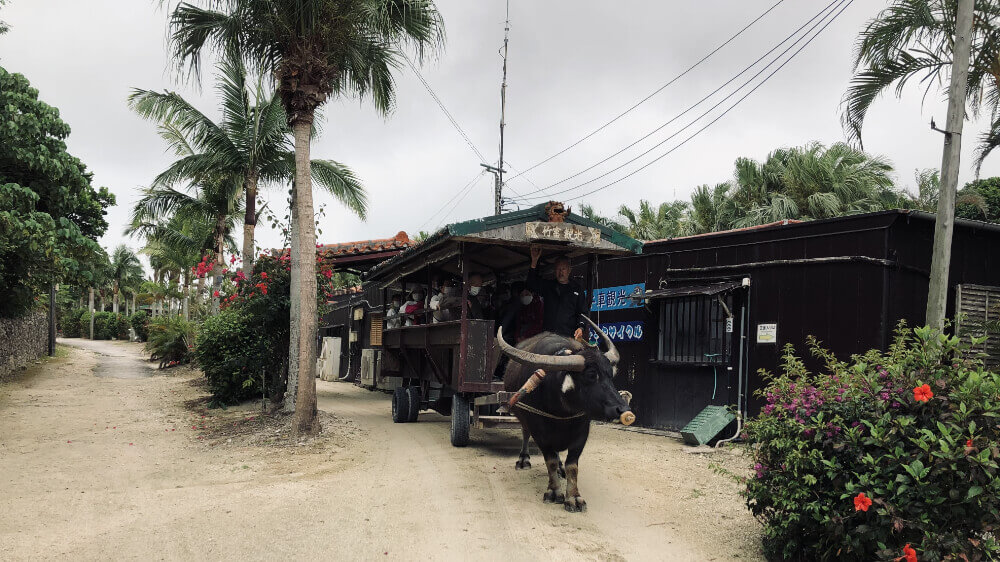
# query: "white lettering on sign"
563, 232
767, 333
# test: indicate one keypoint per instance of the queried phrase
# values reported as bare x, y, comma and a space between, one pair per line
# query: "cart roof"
502, 241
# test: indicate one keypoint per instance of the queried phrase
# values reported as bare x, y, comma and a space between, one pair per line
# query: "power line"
444, 109
466, 186
468, 190
824, 13
657, 91
723, 114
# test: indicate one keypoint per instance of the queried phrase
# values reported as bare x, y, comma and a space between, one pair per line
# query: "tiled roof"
757, 227
399, 242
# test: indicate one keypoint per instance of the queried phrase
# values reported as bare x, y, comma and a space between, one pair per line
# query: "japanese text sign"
616, 298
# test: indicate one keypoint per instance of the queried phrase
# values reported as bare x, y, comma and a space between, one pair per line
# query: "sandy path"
108, 466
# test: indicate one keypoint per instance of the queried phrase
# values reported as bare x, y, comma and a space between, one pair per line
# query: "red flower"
968, 443
215, 294
909, 554
232, 259
225, 270
862, 502
923, 393
263, 275
327, 273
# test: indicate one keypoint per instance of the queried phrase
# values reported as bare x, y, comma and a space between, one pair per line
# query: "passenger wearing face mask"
442, 305
411, 309
522, 318
475, 287
392, 317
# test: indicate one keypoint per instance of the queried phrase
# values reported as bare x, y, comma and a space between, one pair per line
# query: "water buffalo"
573, 388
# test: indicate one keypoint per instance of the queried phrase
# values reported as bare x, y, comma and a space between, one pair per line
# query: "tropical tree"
250, 144
912, 40
811, 182
711, 209
314, 49
125, 270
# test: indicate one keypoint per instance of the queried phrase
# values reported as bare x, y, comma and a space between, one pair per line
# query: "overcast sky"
572, 66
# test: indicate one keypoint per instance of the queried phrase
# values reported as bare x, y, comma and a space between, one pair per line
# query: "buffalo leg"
573, 500
553, 494
524, 460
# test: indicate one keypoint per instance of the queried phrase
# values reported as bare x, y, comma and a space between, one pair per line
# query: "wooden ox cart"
449, 366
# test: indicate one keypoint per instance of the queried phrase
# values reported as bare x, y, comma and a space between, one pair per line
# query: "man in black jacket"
564, 299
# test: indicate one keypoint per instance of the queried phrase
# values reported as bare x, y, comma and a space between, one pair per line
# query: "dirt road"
98, 461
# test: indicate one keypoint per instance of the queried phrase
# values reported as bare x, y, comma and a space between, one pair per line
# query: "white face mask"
474, 290
526, 300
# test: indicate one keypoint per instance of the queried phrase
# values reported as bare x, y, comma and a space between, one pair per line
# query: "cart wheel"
400, 406
413, 403
459, 420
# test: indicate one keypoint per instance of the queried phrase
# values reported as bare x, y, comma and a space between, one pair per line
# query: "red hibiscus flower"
968, 443
215, 294
862, 502
263, 275
923, 393
327, 273
909, 555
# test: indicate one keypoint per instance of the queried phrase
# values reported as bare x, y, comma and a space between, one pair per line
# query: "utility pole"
497, 187
52, 319
937, 294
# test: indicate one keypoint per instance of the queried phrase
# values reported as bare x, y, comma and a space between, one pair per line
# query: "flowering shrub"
890, 456
251, 333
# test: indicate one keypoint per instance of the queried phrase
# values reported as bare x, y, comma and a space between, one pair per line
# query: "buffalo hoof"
575, 505
553, 496
522, 463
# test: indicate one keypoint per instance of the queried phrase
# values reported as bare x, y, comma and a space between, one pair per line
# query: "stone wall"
22, 340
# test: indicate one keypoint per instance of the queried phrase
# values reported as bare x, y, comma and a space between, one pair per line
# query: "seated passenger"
413, 308
444, 303
475, 287
392, 317
522, 318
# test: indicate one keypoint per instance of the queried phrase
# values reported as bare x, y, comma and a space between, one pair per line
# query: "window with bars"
693, 329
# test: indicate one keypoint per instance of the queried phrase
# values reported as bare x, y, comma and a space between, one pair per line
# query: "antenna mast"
498, 202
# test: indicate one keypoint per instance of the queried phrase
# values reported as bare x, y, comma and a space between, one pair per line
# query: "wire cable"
839, 4
655, 92
444, 109
823, 13
468, 190
723, 114
459, 192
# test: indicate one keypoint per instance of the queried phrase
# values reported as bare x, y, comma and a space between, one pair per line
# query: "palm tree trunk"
220, 233
134, 304
114, 301
249, 222
304, 261
291, 387
91, 306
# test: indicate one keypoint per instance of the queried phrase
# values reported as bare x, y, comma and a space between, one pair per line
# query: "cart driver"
565, 301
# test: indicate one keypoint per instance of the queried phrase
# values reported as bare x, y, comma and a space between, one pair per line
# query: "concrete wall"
22, 340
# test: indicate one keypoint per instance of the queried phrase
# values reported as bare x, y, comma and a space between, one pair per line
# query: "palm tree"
314, 49
929, 191
711, 209
912, 39
125, 270
811, 182
653, 223
250, 145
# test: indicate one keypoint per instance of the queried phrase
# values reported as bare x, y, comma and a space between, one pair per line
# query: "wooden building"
717, 308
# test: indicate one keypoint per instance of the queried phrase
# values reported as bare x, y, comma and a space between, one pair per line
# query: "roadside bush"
69, 322
105, 325
171, 339
888, 456
85, 324
121, 326
140, 323
231, 350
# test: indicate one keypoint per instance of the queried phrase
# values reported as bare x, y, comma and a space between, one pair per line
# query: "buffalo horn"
612, 352
558, 362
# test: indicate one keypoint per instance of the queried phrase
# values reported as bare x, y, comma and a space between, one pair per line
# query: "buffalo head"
585, 375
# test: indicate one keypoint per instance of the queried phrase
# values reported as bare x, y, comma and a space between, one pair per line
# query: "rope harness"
530, 385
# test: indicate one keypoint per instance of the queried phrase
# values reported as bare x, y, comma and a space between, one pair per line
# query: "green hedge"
140, 323
69, 322
105, 325
85, 324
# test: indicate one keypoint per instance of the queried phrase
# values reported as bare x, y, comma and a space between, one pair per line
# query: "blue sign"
616, 298
620, 331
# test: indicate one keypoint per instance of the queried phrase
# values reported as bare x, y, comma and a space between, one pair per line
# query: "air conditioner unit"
369, 363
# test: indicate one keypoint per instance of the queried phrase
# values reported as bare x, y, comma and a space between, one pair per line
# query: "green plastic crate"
706, 425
